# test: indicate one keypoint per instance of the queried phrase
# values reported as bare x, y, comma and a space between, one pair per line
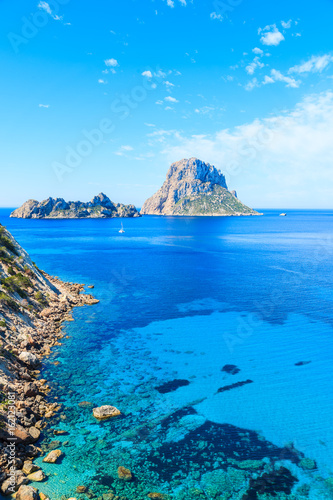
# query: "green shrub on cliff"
4, 256
8, 301
7, 243
41, 299
11, 271
16, 284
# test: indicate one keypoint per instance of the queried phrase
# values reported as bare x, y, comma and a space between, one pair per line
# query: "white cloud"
215, 15
207, 110
170, 99
160, 74
277, 76
112, 63
283, 160
271, 35
46, 7
43, 105
252, 84
316, 64
171, 3
256, 63
268, 79
147, 74
123, 150
258, 51
150, 125
168, 84
102, 81
286, 25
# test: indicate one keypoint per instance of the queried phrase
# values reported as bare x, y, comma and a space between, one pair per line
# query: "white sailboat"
122, 230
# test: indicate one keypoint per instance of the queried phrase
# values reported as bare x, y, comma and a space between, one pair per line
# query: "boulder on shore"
29, 359
27, 493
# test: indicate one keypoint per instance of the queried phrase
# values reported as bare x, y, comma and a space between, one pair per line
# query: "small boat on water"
283, 215
122, 230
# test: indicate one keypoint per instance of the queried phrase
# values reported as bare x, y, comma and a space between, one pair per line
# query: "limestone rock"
27, 493
37, 476
29, 467
34, 433
29, 358
42, 496
124, 474
81, 489
9, 485
105, 412
53, 456
193, 188
99, 207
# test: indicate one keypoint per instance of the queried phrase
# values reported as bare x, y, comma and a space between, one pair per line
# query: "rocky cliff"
193, 187
33, 306
100, 207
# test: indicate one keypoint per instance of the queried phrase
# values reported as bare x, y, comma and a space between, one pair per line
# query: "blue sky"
105, 97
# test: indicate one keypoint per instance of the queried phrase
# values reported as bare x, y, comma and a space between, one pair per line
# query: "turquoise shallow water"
179, 300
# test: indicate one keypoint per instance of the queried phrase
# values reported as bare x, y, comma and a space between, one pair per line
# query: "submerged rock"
307, 464
37, 476
302, 363
53, 456
234, 386
81, 489
124, 474
105, 412
271, 483
171, 386
231, 369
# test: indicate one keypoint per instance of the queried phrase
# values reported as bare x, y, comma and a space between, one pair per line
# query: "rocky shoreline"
31, 324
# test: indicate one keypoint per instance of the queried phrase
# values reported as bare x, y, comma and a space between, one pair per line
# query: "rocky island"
193, 187
100, 207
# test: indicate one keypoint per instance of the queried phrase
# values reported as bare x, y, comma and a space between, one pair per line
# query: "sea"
213, 337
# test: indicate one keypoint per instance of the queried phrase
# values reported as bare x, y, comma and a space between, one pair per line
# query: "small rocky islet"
195, 188
100, 207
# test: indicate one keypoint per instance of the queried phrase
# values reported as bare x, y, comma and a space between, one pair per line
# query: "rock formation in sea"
33, 306
100, 207
193, 187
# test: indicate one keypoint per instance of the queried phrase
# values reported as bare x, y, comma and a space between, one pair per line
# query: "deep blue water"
179, 299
